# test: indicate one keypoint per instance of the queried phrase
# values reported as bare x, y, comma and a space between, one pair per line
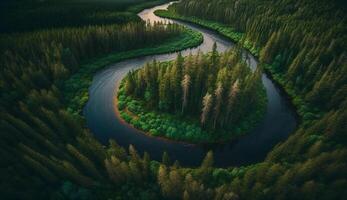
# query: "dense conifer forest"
50, 50
219, 96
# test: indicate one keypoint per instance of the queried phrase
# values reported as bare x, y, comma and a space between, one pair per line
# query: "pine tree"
175, 80
135, 172
175, 184
267, 52
233, 92
207, 103
185, 87
133, 153
208, 160
164, 92
186, 195
87, 164
214, 56
41, 169
163, 181
218, 103
114, 170
72, 173
130, 83
146, 165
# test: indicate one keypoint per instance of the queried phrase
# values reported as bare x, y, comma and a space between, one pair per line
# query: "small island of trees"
203, 98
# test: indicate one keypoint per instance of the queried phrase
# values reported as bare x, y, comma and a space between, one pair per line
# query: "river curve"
279, 120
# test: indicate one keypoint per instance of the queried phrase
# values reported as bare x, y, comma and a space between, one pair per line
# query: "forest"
28, 15
229, 103
50, 50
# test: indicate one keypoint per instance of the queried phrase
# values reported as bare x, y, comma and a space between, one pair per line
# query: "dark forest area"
26, 15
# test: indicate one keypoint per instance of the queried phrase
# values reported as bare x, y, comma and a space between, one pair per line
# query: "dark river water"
278, 122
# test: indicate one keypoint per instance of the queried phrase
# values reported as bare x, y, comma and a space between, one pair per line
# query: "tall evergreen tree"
207, 103
185, 87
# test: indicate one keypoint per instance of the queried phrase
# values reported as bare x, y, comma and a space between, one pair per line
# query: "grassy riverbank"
222, 29
75, 89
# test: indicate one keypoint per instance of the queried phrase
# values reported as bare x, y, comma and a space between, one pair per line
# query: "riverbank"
75, 89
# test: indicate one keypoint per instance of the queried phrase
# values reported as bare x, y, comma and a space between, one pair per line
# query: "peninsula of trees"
201, 98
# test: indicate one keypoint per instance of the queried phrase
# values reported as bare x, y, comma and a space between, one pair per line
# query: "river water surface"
278, 122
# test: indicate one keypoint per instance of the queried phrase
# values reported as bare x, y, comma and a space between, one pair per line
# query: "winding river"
278, 122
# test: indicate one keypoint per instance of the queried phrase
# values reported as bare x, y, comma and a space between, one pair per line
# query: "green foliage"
165, 114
